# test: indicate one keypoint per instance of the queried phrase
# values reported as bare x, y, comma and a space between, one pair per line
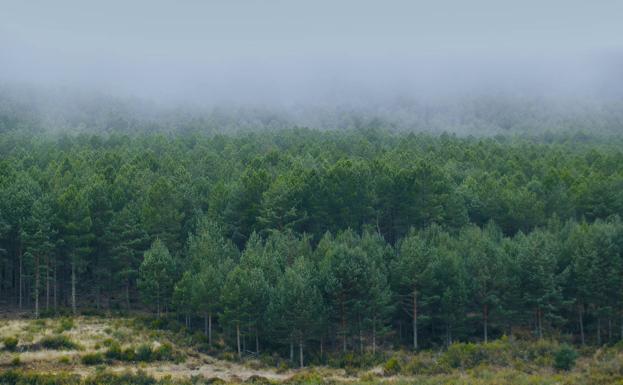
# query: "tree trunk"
540, 320
291, 350
97, 294
485, 315
415, 342
448, 335
257, 341
21, 279
301, 351
581, 318
73, 287
210, 329
609, 329
360, 339
127, 295
205, 324
321, 347
55, 288
343, 326
599, 331
36, 287
158, 302
47, 283
238, 339
374, 335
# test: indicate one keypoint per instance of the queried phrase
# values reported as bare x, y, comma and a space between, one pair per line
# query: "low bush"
391, 367
128, 355
10, 343
355, 360
16, 361
424, 363
92, 359
564, 358
64, 360
58, 343
164, 352
65, 324
257, 380
114, 351
144, 353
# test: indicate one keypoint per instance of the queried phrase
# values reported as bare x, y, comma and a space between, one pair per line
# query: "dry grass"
91, 334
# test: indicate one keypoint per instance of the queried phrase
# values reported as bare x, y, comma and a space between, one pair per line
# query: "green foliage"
128, 354
156, 275
361, 240
164, 352
65, 324
144, 353
92, 359
16, 361
391, 367
64, 360
114, 351
564, 358
10, 343
58, 342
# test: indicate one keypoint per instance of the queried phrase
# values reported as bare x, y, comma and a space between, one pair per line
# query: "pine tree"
296, 305
244, 298
162, 214
129, 241
540, 285
38, 236
76, 233
157, 276
183, 296
347, 275
484, 259
212, 257
410, 270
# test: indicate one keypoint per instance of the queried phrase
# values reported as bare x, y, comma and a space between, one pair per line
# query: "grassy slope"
500, 362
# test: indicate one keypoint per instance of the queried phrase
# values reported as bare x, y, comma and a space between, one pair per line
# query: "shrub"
462, 355
257, 380
114, 351
163, 353
391, 367
16, 361
92, 359
64, 360
58, 343
65, 324
128, 355
144, 353
107, 377
311, 377
10, 343
425, 363
564, 358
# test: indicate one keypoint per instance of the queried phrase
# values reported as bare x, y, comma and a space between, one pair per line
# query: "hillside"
132, 350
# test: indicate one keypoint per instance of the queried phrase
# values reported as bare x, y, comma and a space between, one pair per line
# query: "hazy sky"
293, 50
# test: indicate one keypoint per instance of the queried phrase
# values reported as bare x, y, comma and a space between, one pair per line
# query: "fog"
291, 53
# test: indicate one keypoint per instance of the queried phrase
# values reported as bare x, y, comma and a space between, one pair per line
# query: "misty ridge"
468, 69
67, 110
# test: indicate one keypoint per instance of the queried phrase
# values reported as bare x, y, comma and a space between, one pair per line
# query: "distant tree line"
297, 239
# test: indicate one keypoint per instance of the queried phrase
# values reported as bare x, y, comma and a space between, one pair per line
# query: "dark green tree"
156, 276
